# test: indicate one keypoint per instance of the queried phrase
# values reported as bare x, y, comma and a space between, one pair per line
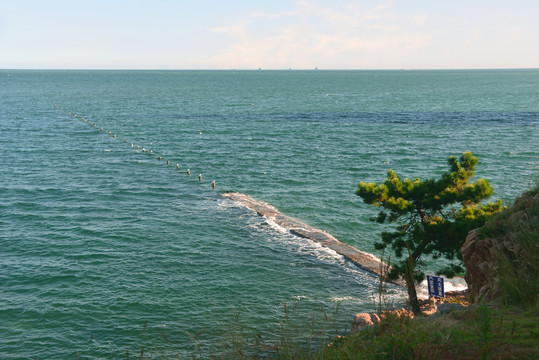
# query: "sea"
107, 252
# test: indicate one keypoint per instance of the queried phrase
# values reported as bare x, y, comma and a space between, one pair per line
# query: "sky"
272, 34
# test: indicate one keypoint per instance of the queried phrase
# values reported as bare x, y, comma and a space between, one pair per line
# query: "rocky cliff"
499, 239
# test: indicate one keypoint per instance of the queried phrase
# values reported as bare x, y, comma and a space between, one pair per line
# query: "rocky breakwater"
363, 260
483, 247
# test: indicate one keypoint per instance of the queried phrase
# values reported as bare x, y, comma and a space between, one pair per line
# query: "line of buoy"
132, 144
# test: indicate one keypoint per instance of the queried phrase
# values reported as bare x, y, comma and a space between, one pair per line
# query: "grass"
479, 332
518, 276
297, 338
517, 229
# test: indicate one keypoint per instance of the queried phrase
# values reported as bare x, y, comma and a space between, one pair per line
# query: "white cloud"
343, 35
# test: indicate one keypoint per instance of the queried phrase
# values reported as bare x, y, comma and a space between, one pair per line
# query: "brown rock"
397, 313
428, 310
481, 255
361, 320
480, 266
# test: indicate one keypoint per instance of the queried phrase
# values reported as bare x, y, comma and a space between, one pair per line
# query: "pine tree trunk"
410, 286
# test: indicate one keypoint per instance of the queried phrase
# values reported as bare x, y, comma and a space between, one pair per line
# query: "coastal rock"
480, 253
480, 259
397, 313
480, 266
430, 301
361, 320
429, 309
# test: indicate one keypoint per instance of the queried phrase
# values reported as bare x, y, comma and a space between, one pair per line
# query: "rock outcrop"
479, 257
362, 320
482, 248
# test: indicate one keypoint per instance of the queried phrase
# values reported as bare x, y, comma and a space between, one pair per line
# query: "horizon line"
267, 69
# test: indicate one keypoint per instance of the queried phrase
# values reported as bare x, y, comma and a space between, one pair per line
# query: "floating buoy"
151, 151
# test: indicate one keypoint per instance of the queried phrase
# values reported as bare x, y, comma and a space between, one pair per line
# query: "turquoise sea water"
104, 248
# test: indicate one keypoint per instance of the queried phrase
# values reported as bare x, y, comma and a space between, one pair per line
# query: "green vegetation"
519, 280
518, 264
479, 332
429, 222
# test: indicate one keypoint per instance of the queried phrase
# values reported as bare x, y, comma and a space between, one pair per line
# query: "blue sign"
436, 286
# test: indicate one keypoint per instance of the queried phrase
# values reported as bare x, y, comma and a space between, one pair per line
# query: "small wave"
342, 298
300, 244
276, 226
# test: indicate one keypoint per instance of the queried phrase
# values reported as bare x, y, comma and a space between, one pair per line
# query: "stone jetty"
363, 260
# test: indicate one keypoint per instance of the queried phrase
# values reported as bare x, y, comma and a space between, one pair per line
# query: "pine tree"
433, 217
